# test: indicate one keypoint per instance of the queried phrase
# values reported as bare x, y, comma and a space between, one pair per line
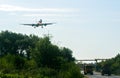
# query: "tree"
113, 63
31, 56
17, 44
67, 54
46, 54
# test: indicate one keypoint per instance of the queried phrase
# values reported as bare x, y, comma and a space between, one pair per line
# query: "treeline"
114, 64
23, 56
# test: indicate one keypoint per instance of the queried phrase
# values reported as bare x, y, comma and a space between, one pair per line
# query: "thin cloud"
12, 13
12, 8
29, 15
49, 15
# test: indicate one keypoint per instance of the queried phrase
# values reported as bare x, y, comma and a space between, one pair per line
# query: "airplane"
38, 24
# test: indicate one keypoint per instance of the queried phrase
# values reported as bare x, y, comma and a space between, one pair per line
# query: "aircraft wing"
46, 24
28, 24
39, 24
42, 24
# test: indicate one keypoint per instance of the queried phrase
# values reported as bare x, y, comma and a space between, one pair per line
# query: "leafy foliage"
23, 56
114, 64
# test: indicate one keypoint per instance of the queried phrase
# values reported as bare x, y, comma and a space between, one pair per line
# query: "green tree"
113, 63
67, 54
17, 44
31, 56
46, 54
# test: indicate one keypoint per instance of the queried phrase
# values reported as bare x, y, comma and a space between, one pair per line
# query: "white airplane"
39, 24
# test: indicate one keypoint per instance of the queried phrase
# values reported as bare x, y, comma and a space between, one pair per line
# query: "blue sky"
90, 28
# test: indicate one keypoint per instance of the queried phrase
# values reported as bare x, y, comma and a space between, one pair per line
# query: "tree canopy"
113, 63
35, 56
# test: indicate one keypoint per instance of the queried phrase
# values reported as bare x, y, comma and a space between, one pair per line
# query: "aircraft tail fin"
40, 21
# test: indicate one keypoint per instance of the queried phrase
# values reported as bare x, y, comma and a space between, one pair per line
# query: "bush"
70, 70
10, 76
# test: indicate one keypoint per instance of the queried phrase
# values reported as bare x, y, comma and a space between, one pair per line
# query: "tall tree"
13, 43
